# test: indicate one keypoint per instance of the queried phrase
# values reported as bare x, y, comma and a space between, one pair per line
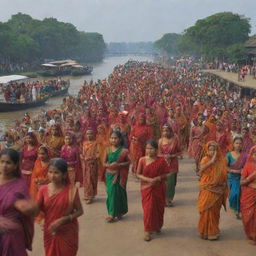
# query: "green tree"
168, 43
210, 37
26, 39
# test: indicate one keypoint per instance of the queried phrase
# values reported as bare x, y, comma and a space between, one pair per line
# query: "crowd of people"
32, 91
6, 68
142, 119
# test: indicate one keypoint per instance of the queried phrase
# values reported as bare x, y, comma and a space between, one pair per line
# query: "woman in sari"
55, 140
183, 124
248, 196
197, 138
153, 172
90, 161
213, 191
60, 203
16, 209
235, 161
28, 156
222, 137
210, 125
70, 153
102, 140
117, 167
247, 140
39, 175
169, 148
140, 133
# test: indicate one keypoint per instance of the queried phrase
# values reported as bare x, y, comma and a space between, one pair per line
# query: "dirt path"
179, 235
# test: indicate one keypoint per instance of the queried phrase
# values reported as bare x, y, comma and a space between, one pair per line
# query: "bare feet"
110, 219
147, 237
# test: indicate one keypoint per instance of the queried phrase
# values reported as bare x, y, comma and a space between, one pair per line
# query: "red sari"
65, 240
139, 136
153, 196
248, 203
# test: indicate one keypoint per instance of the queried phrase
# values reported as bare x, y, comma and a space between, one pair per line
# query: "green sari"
117, 197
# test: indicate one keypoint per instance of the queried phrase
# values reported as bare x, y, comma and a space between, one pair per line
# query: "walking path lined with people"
149, 120
179, 234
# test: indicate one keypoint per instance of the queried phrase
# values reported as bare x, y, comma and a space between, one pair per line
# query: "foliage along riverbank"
221, 36
24, 39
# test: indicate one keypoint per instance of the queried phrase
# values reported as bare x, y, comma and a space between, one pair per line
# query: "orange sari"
90, 168
212, 195
39, 175
65, 240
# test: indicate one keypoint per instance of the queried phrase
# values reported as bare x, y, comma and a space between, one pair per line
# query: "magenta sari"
28, 158
19, 228
72, 157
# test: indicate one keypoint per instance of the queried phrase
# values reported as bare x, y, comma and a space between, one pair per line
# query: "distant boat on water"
64, 67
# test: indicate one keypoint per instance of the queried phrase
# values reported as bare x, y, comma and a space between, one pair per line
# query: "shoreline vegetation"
221, 37
26, 43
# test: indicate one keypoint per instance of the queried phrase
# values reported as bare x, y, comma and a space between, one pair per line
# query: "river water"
100, 71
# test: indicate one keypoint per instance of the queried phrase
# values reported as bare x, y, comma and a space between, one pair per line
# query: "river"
100, 71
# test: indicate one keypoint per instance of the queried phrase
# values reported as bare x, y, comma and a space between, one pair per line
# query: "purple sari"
16, 230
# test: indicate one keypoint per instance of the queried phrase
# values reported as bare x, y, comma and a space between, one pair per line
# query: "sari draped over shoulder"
20, 228
91, 165
72, 156
117, 204
248, 204
196, 142
234, 180
153, 196
138, 138
28, 158
39, 173
65, 240
173, 164
212, 195
55, 144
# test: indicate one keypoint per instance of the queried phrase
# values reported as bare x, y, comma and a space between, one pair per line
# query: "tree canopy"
168, 43
220, 36
26, 39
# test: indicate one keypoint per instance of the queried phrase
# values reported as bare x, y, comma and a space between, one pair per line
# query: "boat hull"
8, 106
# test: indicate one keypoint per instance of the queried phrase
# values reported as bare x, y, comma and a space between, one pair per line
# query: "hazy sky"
128, 20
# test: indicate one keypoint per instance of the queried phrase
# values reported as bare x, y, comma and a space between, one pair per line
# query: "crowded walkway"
142, 125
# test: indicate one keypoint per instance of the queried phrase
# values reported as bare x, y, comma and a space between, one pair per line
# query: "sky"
128, 20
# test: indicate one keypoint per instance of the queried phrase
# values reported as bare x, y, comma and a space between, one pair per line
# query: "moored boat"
15, 106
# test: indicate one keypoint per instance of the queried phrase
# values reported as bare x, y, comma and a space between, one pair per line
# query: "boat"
64, 67
15, 106
79, 70
61, 92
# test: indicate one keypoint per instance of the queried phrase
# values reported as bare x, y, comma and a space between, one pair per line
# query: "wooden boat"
79, 70
60, 92
63, 68
15, 106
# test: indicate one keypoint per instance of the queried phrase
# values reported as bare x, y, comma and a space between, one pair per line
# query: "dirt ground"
179, 235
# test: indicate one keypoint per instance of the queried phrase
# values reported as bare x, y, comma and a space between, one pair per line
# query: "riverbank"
100, 71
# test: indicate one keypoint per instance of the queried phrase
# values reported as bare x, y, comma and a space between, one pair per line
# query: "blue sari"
234, 180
